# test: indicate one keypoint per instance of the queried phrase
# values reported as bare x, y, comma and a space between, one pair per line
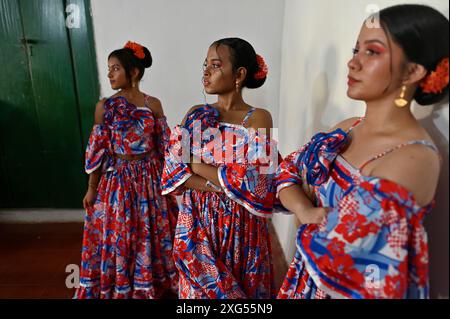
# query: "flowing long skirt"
128, 236
221, 250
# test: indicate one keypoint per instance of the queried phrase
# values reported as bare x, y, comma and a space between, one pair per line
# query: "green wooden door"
43, 105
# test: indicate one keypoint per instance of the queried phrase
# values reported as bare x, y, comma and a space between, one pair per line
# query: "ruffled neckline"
382, 180
120, 107
325, 148
211, 116
121, 97
320, 153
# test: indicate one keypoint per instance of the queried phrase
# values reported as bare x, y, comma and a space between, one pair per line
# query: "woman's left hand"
315, 215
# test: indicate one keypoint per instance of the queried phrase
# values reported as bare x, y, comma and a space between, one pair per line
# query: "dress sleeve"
289, 172
162, 132
251, 183
98, 151
176, 172
178, 151
372, 245
310, 166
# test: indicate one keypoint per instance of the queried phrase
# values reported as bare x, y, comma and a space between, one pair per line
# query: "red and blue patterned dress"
372, 244
222, 246
128, 233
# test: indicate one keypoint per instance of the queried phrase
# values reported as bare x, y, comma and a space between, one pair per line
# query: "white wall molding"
44, 215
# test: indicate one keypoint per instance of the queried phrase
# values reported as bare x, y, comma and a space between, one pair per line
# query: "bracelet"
94, 186
213, 186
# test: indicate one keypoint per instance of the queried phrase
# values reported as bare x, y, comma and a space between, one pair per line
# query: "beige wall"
178, 33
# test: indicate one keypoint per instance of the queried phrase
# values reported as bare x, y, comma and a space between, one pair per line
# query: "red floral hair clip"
437, 80
136, 48
262, 68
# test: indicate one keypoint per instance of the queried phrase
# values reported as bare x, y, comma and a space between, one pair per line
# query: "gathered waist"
133, 157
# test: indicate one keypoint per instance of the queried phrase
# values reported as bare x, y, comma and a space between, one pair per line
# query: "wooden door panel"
52, 75
55, 98
41, 143
19, 129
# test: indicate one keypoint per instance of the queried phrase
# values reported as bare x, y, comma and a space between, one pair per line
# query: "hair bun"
422, 32
423, 98
140, 52
243, 55
147, 60
257, 73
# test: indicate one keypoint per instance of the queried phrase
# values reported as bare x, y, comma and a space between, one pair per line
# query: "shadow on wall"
324, 86
437, 223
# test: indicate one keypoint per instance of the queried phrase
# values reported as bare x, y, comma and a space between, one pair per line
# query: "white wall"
178, 34
317, 40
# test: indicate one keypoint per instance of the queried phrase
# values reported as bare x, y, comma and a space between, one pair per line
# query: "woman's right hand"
89, 198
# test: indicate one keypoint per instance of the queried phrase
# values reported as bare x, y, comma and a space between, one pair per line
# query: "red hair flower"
262, 68
437, 80
136, 48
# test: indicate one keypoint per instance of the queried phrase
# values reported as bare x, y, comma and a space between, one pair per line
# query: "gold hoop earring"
401, 102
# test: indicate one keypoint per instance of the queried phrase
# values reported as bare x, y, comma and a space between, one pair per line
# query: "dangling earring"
401, 102
237, 87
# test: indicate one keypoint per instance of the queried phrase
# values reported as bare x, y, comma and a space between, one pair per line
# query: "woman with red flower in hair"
361, 191
222, 245
129, 226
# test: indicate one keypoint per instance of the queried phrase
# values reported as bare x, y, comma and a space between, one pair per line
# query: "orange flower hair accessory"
137, 49
262, 68
437, 80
